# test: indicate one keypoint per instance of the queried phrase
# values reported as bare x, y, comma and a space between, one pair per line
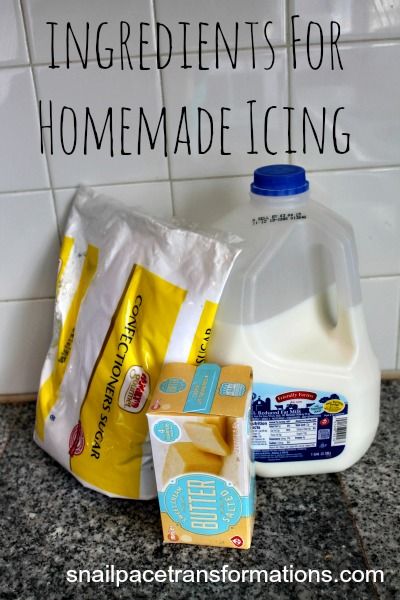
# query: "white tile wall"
28, 236
19, 127
79, 13
370, 201
25, 331
102, 89
381, 297
398, 359
230, 88
154, 198
371, 97
225, 12
36, 190
359, 19
208, 200
13, 50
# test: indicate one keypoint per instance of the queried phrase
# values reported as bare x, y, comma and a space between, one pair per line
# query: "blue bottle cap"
279, 180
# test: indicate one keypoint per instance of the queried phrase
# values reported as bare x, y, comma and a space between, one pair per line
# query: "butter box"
199, 422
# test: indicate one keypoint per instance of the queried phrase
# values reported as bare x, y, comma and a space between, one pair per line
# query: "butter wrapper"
200, 432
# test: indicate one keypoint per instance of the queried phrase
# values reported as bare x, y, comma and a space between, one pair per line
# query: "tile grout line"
48, 298
35, 87
277, 46
161, 79
374, 168
397, 365
94, 185
380, 276
36, 299
27, 191
359, 538
288, 63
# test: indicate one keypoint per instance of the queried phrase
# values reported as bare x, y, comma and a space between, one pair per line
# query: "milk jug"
292, 310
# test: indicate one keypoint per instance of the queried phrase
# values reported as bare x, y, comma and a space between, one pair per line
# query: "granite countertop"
50, 524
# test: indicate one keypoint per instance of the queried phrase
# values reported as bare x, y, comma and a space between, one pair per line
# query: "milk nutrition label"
292, 424
292, 433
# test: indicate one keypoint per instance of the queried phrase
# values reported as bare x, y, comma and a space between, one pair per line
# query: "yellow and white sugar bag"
132, 293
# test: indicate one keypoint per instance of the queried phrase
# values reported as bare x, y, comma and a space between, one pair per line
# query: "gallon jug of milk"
292, 310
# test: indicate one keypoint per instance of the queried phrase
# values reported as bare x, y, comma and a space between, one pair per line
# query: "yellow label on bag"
197, 353
65, 252
48, 392
106, 444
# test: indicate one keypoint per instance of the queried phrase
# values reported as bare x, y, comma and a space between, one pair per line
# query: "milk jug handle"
340, 243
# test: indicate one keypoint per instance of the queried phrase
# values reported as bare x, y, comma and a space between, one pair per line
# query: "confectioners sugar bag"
132, 293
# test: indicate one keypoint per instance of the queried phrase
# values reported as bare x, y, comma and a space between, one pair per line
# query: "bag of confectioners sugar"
132, 293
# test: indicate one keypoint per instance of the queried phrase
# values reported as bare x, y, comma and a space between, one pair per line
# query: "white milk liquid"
301, 350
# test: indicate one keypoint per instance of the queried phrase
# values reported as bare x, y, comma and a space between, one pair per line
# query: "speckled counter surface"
50, 523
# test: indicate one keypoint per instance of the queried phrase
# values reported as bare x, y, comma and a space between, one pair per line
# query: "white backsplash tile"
225, 12
398, 355
205, 201
99, 90
205, 187
78, 13
153, 198
226, 87
381, 299
29, 245
13, 50
358, 19
369, 90
25, 332
370, 201
22, 165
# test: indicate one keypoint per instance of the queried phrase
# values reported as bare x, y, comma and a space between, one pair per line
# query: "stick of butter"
199, 422
207, 437
220, 422
185, 457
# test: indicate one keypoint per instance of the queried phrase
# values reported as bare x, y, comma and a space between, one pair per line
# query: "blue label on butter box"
202, 390
203, 504
173, 385
166, 431
232, 389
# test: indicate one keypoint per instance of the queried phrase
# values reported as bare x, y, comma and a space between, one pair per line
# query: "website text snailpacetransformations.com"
287, 574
